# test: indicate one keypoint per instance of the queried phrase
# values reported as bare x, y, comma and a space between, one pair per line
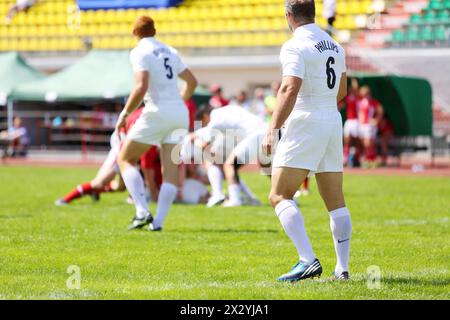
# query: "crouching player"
236, 134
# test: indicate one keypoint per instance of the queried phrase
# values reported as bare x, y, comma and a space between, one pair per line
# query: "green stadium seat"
426, 34
413, 34
398, 36
440, 34
443, 16
436, 5
430, 16
415, 19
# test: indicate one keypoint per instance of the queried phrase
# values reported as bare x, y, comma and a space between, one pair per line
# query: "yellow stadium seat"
59, 25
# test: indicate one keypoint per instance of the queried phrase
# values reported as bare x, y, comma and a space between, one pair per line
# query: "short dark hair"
301, 9
202, 110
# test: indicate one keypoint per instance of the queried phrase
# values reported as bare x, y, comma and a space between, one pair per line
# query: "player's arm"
286, 98
342, 93
141, 80
190, 83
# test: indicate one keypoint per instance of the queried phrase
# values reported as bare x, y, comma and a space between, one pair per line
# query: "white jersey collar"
306, 28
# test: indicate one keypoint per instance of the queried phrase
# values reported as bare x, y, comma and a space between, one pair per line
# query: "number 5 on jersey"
169, 73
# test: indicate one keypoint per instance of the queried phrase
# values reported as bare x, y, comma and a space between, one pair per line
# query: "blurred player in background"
352, 142
370, 113
241, 100
258, 105
20, 6
314, 81
228, 146
386, 133
17, 139
164, 120
217, 100
271, 99
105, 180
329, 13
192, 186
242, 132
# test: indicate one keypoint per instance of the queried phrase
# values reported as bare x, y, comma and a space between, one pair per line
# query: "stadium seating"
59, 25
429, 28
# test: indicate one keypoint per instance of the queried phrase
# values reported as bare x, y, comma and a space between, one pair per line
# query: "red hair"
144, 27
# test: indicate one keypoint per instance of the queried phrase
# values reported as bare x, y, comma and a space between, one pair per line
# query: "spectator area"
59, 25
430, 27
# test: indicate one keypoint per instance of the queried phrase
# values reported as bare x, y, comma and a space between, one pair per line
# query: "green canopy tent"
407, 101
100, 75
14, 71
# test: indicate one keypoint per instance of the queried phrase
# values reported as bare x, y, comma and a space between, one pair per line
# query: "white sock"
215, 177
245, 189
166, 197
234, 193
341, 227
135, 186
292, 221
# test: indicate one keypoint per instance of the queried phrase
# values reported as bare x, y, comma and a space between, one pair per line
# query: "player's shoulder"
142, 49
291, 45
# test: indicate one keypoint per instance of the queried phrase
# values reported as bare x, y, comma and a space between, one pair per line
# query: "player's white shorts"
168, 124
249, 150
351, 128
192, 191
311, 141
368, 131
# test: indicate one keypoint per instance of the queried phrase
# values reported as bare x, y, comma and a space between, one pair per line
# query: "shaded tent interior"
407, 101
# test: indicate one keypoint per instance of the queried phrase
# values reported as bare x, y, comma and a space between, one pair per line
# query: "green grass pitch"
400, 224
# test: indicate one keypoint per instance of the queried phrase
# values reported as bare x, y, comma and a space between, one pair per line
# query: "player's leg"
285, 182
128, 157
247, 151
150, 182
215, 177
330, 188
230, 169
168, 191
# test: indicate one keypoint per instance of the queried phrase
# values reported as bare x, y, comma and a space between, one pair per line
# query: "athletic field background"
400, 244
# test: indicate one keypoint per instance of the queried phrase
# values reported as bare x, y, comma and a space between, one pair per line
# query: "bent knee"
275, 199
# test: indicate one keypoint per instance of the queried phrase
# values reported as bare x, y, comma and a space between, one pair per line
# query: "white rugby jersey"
164, 65
235, 118
319, 61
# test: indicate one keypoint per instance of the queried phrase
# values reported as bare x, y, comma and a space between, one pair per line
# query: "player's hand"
121, 122
269, 141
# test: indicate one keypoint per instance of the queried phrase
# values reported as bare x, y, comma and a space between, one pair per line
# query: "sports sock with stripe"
292, 221
341, 228
78, 192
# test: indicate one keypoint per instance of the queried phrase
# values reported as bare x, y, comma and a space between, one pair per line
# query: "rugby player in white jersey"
314, 81
157, 68
240, 134
229, 146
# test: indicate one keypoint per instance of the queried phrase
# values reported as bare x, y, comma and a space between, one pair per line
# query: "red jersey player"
370, 112
104, 180
351, 126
